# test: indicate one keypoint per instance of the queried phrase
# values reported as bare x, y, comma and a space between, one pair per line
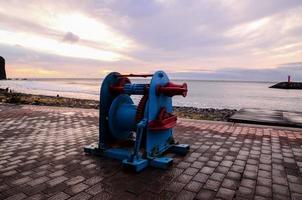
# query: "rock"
2, 69
287, 85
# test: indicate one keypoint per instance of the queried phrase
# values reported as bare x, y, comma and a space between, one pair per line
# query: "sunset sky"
214, 39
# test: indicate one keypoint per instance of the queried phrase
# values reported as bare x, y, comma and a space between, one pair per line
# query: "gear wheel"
141, 108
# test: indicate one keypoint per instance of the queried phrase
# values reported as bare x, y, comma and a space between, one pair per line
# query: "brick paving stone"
156, 187
75, 189
57, 173
59, 196
212, 185
265, 174
206, 195
38, 181
248, 183
184, 178
57, 180
225, 193
36, 197
280, 180
264, 181
280, 197
245, 192
212, 163
81, 196
260, 198
22, 180
230, 184
147, 196
191, 171
265, 167
263, 191
18, 196
225, 161
297, 188
281, 190
183, 165
296, 196
194, 186
217, 176
75, 180
93, 180
207, 170
237, 168
221, 169
97, 188
294, 179
175, 187
185, 195
201, 177
197, 164
166, 195
234, 175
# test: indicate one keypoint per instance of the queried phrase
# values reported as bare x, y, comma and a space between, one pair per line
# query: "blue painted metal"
180, 148
139, 134
161, 162
122, 117
118, 124
158, 141
118, 153
136, 165
134, 89
106, 98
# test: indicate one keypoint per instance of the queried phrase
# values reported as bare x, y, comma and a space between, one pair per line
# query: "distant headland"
2, 69
288, 85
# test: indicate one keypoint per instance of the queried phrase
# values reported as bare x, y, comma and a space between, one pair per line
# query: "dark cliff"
2, 68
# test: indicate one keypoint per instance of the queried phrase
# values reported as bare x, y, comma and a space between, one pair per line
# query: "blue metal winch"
140, 134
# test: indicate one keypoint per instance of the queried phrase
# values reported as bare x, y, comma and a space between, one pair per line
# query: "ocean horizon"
228, 94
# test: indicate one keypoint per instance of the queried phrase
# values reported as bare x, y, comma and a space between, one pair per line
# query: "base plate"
137, 165
180, 148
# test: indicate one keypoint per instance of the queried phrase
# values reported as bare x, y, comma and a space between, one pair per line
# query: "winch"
139, 135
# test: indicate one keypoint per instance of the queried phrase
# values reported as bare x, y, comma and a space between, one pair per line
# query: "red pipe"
172, 89
136, 75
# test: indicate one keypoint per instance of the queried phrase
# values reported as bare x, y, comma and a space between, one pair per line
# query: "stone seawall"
286, 85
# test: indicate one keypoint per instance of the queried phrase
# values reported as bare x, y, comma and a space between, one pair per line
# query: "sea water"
201, 94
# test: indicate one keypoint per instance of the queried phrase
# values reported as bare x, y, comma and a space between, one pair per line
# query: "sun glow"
248, 28
28, 71
52, 46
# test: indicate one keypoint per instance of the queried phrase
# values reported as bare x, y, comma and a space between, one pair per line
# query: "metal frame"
116, 123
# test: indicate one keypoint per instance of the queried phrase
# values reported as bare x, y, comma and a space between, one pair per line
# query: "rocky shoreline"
7, 96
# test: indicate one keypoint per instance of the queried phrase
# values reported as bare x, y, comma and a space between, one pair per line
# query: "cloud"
235, 74
70, 37
173, 35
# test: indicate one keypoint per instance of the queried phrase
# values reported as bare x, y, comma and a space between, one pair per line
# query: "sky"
195, 39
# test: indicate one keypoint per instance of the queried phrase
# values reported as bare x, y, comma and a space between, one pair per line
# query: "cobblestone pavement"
41, 156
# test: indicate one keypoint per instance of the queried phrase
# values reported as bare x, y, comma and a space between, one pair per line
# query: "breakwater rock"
286, 85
